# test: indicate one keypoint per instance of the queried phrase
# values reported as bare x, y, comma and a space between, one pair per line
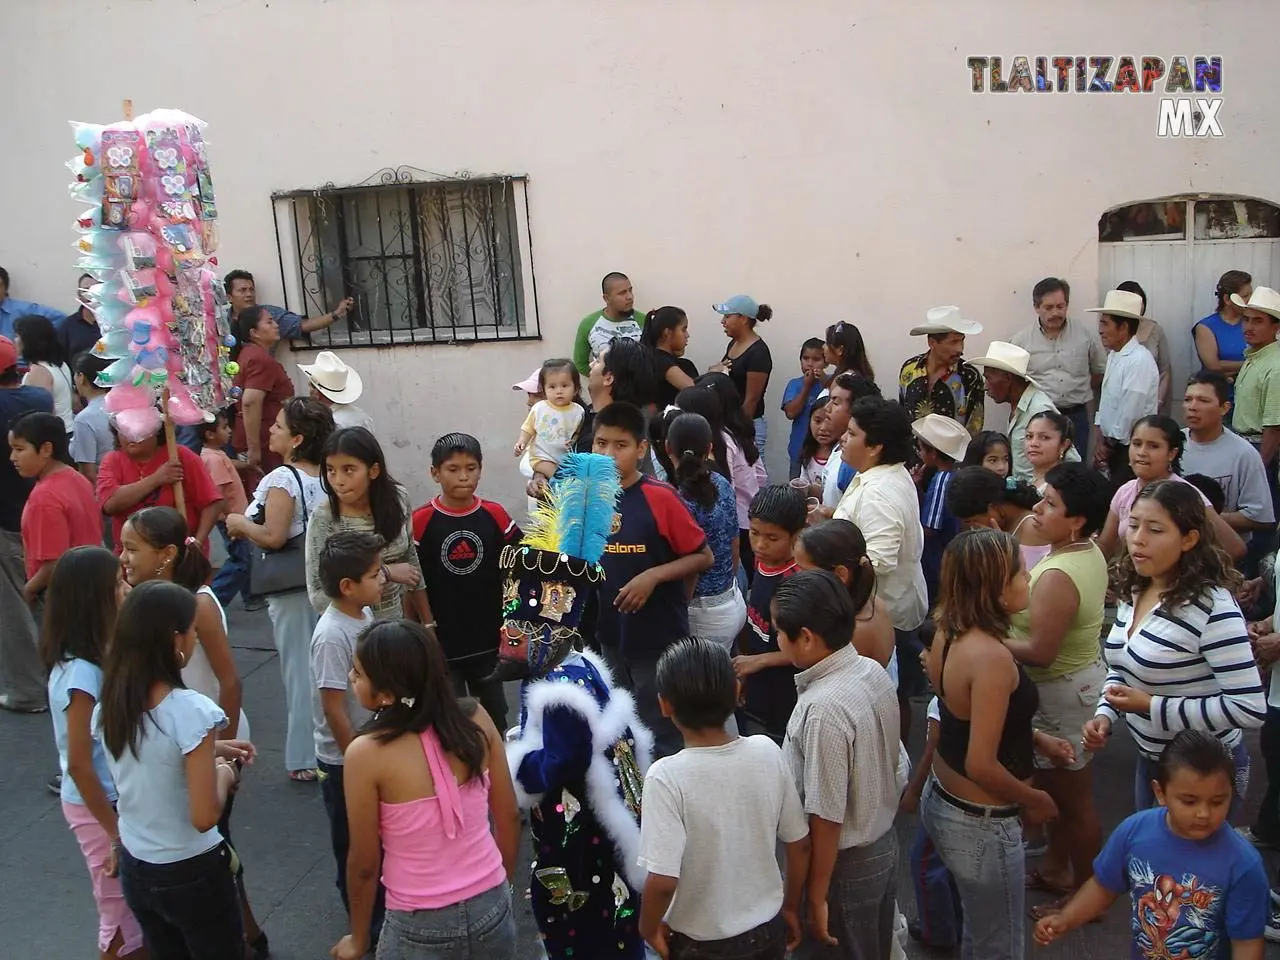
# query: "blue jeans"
233, 576
982, 847
188, 910
938, 910
860, 900
481, 928
762, 433
1144, 771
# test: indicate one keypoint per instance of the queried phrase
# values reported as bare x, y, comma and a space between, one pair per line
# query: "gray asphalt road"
46, 908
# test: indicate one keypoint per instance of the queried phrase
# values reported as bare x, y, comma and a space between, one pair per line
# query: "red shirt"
117, 471
261, 371
61, 513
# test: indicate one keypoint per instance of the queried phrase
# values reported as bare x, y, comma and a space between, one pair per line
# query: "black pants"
765, 942
1267, 826
335, 805
470, 678
1118, 464
188, 910
640, 676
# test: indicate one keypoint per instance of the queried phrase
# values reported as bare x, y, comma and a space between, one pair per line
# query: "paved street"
46, 908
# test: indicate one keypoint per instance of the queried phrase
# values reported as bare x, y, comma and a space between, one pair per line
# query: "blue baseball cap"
740, 304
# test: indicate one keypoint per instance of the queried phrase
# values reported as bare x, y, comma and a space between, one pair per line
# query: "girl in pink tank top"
422, 781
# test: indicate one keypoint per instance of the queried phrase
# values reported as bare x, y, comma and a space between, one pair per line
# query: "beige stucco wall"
826, 157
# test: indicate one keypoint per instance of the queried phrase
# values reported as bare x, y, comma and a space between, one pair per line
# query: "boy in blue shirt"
1196, 887
653, 556
799, 396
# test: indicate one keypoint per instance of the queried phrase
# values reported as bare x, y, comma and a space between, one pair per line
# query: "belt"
1075, 408
975, 809
711, 600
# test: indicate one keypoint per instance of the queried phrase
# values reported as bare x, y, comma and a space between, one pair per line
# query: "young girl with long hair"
717, 610
666, 333
422, 782
1155, 453
364, 497
83, 597
155, 545
173, 777
1178, 655
990, 449
815, 451
845, 351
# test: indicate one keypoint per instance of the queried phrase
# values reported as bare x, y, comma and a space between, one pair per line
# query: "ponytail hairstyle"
142, 653
657, 322
833, 544
853, 352
245, 324
386, 502
80, 608
162, 527
764, 313
735, 421
809, 448
688, 441
404, 661
1233, 281
706, 403
982, 444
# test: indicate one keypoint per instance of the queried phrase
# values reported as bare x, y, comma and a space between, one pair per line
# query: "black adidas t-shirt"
459, 554
769, 695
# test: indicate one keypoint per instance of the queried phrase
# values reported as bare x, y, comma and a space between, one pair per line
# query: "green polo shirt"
1257, 402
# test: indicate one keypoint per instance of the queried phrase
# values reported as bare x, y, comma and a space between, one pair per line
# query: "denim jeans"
335, 805
293, 620
761, 426
1080, 426
765, 942
481, 928
233, 576
1144, 771
188, 910
860, 900
982, 847
939, 914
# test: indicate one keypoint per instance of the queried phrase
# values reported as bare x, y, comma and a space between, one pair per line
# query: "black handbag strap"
297, 478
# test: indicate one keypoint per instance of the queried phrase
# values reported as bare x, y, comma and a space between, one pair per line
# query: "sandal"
304, 776
1037, 881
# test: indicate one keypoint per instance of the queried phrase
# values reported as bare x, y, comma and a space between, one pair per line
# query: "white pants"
719, 618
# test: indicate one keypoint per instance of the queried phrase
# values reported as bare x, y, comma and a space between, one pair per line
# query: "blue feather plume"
587, 493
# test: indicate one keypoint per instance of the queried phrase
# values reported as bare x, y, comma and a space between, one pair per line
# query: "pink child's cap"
529, 384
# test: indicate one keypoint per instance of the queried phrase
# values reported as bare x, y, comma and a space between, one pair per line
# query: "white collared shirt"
1130, 391
883, 503
1064, 365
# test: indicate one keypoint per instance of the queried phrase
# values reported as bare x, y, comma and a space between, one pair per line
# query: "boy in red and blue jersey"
653, 558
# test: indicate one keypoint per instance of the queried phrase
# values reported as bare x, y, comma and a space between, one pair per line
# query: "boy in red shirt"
61, 511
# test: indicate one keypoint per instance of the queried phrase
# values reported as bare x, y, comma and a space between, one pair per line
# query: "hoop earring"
182, 658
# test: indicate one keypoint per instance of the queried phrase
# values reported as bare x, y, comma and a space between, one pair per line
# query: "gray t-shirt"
92, 439
1237, 466
333, 651
713, 817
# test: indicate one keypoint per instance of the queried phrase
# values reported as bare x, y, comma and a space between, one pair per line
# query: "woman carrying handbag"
281, 508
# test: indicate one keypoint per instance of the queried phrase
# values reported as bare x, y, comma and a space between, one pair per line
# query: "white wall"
825, 157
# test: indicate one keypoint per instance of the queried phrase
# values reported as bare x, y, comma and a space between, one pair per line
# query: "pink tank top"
438, 851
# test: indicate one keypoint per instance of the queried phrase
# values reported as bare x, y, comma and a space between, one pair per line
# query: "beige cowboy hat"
943, 434
1264, 300
946, 320
1120, 303
1008, 357
333, 378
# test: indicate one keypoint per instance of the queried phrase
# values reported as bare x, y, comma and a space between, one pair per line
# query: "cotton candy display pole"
148, 238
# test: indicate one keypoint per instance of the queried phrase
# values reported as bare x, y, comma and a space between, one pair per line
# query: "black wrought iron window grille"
427, 260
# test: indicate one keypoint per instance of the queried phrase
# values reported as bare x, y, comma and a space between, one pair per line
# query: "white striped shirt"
1197, 664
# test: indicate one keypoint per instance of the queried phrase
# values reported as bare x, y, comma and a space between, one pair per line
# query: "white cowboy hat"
333, 378
946, 320
943, 434
1008, 357
1120, 303
1264, 300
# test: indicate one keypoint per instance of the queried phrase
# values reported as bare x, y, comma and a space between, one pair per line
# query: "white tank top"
62, 391
198, 675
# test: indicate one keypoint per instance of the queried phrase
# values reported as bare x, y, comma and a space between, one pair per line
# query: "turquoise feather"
587, 491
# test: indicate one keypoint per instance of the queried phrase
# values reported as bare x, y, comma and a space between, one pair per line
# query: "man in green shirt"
1257, 404
617, 319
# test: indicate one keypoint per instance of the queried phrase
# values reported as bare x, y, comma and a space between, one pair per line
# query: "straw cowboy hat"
1264, 300
333, 378
1008, 357
943, 434
946, 320
1120, 303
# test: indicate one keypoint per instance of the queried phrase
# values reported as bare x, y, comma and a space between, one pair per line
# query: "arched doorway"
1176, 248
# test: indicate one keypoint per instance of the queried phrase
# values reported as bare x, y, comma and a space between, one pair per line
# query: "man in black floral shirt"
939, 381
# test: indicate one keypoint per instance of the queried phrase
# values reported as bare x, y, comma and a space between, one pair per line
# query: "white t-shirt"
831, 491
712, 818
312, 494
815, 471
349, 415
198, 674
554, 429
63, 391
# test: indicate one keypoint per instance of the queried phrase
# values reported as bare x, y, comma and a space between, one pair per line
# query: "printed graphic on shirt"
462, 552
760, 627
1175, 918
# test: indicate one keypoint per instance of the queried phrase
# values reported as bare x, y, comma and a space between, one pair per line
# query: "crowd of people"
759, 639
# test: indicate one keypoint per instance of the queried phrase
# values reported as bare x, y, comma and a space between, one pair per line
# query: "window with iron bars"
426, 261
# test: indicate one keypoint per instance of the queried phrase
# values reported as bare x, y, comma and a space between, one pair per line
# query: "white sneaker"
1272, 933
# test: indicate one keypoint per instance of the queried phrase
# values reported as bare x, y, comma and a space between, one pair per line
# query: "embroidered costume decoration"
580, 753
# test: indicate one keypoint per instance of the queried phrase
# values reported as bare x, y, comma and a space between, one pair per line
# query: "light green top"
1081, 646
1257, 400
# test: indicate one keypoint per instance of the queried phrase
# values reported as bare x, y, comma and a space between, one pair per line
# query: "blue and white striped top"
1197, 664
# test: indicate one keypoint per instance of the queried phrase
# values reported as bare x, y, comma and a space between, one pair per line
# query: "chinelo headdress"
550, 573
